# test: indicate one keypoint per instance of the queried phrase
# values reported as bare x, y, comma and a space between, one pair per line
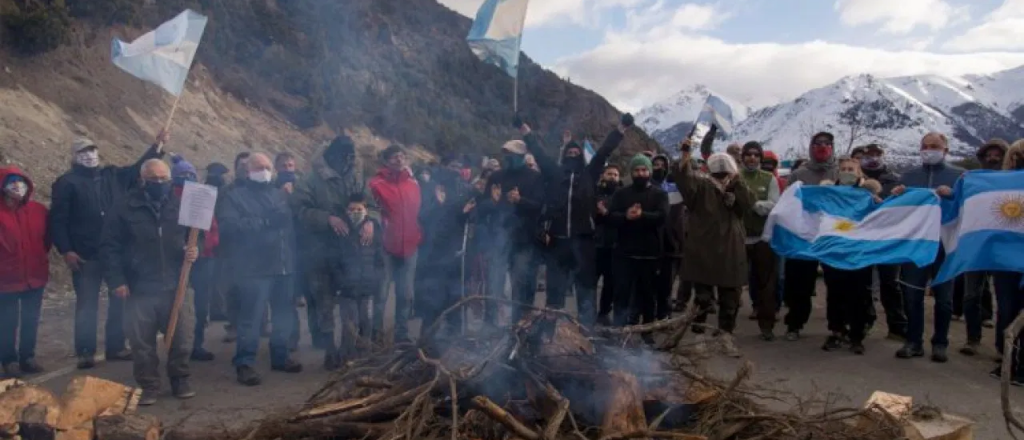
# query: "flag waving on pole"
716, 112
497, 32
163, 56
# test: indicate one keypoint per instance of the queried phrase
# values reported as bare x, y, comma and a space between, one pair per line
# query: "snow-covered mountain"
669, 120
895, 112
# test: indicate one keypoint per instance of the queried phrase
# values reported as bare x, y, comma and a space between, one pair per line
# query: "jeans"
203, 285
146, 315
441, 289
977, 303
401, 271
87, 281
19, 325
914, 280
764, 270
728, 304
1010, 301
255, 294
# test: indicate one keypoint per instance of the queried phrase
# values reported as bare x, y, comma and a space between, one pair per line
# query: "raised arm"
611, 142
687, 182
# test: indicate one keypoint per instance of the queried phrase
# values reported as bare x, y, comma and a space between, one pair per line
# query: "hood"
814, 164
722, 163
1016, 149
1000, 144
12, 170
319, 164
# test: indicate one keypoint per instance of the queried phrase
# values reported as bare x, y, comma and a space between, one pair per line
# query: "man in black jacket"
604, 237
142, 252
638, 212
569, 220
82, 198
256, 219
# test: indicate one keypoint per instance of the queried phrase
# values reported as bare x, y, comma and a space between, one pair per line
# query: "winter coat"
675, 225
357, 270
321, 194
604, 235
398, 196
24, 241
570, 198
82, 198
640, 238
143, 246
444, 228
888, 179
519, 222
256, 219
932, 176
714, 252
765, 189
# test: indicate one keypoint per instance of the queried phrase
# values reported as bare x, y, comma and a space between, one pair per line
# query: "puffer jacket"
256, 220
24, 241
357, 270
143, 246
398, 196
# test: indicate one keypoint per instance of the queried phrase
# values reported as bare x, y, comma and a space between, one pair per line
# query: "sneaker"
201, 355
833, 342
181, 388
970, 348
148, 397
289, 366
767, 335
793, 336
909, 351
939, 354
247, 376
728, 344
119, 355
988, 323
11, 370
86, 362
857, 347
30, 366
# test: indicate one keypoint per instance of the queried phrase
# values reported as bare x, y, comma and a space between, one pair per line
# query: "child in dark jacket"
356, 274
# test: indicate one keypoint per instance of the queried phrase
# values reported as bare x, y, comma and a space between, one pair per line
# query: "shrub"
36, 27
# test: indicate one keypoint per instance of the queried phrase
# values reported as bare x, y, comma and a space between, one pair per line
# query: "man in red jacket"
398, 196
24, 245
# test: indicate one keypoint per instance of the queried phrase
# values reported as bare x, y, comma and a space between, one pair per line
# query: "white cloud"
551, 12
898, 17
1003, 29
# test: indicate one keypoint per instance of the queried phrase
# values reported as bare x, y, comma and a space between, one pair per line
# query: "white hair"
722, 163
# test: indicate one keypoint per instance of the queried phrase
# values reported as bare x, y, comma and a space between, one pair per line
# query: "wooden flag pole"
179, 295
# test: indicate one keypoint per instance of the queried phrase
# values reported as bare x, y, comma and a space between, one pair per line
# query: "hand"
730, 199
163, 137
513, 196
469, 206
566, 137
122, 292
73, 261
439, 193
622, 128
944, 191
289, 187
366, 234
634, 212
496, 193
191, 253
877, 199
524, 129
338, 225
602, 208
899, 190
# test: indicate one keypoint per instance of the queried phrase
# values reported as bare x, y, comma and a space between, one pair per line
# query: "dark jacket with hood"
357, 270
813, 171
83, 197
640, 238
444, 225
604, 235
997, 143
143, 246
521, 221
675, 224
256, 219
24, 242
888, 178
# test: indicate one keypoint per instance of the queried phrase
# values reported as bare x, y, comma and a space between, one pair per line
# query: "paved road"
961, 386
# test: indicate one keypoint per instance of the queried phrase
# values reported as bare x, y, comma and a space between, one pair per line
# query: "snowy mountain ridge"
670, 119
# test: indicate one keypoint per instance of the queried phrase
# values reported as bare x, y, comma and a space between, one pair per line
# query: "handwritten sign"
197, 205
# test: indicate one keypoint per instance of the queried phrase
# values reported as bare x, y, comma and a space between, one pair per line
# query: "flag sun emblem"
1010, 210
843, 226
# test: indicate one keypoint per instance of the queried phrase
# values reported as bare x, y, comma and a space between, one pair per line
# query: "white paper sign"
197, 205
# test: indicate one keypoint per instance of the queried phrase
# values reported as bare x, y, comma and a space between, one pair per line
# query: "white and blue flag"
163, 56
844, 228
983, 224
588, 151
716, 111
497, 32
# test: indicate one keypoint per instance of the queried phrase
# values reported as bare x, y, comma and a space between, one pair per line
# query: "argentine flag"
844, 228
983, 225
163, 56
588, 151
497, 32
716, 111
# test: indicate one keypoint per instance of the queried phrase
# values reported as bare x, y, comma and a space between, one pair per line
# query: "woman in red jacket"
24, 246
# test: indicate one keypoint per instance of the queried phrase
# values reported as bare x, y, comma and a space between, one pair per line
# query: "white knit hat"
515, 147
81, 144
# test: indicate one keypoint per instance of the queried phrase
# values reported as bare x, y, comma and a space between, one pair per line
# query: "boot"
910, 351
30, 366
729, 345
148, 397
289, 366
247, 376
181, 388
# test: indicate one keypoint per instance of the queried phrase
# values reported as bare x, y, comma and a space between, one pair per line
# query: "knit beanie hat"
181, 168
640, 160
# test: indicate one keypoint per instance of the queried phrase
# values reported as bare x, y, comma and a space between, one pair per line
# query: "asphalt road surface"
961, 386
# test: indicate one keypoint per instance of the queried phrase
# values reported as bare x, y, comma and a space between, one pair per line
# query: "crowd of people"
335, 242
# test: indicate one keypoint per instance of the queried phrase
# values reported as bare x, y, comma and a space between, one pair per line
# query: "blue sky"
635, 52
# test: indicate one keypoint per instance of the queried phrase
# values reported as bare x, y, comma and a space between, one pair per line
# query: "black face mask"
339, 158
157, 190
659, 174
574, 164
641, 182
993, 164
719, 176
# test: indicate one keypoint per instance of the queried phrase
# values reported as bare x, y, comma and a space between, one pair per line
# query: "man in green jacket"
760, 257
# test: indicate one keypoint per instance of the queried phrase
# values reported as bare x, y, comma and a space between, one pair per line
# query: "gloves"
763, 207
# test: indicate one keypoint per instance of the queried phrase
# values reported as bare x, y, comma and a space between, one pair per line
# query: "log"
82, 432
127, 427
89, 397
18, 397
33, 424
624, 407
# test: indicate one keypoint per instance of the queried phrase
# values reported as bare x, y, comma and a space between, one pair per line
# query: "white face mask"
932, 157
847, 178
88, 159
262, 176
357, 216
16, 190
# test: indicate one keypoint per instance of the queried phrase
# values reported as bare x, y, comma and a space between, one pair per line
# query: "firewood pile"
547, 377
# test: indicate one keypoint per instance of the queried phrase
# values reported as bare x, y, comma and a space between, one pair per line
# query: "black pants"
87, 281
667, 272
570, 264
849, 296
764, 279
634, 290
728, 305
1010, 302
891, 296
801, 280
523, 265
440, 288
605, 262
